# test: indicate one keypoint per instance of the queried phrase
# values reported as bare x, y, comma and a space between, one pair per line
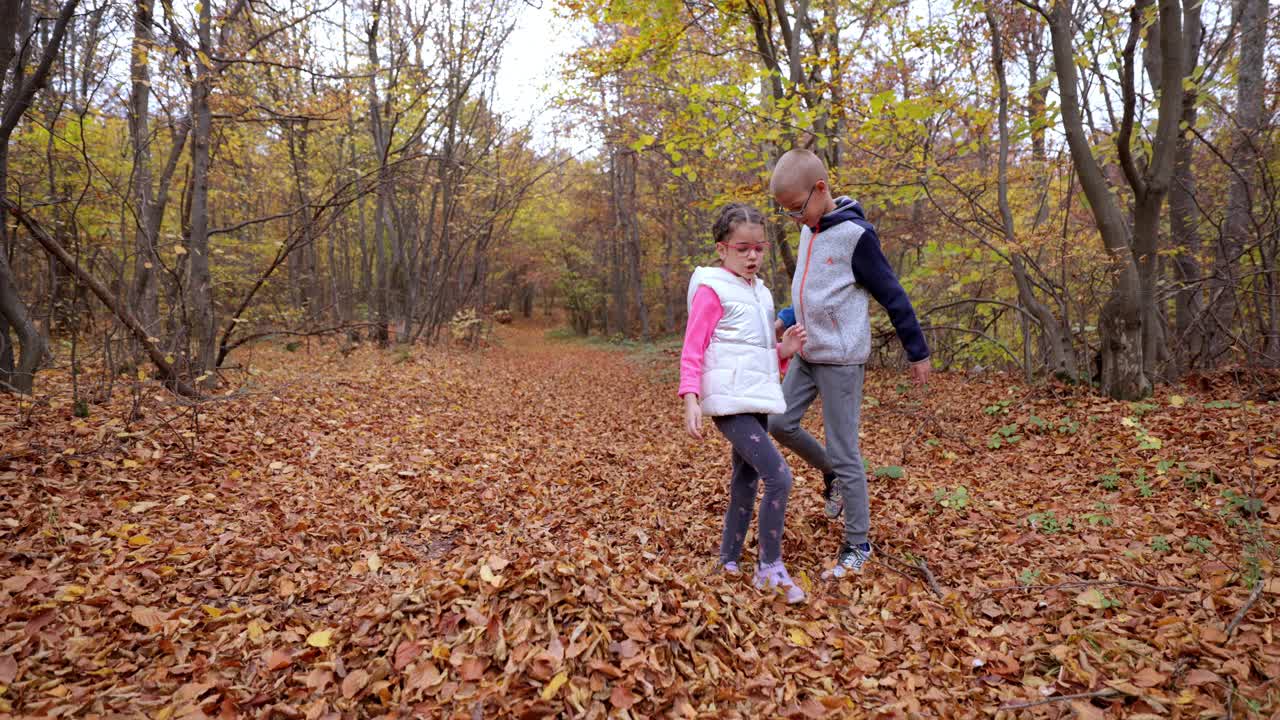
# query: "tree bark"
632, 223
381, 212
16, 93
144, 295
1183, 225
200, 287
1250, 16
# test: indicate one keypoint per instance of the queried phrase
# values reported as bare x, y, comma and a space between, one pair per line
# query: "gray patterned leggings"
754, 458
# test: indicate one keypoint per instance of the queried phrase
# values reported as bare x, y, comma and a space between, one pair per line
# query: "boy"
839, 267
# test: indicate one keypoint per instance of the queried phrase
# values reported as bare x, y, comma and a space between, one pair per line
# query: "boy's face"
805, 205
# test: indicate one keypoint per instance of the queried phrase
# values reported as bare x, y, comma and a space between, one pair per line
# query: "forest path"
525, 529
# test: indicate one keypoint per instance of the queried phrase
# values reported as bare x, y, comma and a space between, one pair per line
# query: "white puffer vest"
740, 368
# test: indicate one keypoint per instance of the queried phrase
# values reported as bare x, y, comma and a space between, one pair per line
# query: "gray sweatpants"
841, 389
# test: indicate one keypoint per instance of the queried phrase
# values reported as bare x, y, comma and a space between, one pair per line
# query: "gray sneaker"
834, 498
851, 560
834, 506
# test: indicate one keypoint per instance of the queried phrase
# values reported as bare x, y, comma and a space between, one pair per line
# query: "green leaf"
643, 142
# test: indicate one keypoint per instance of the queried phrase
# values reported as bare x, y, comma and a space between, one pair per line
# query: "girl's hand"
692, 416
792, 340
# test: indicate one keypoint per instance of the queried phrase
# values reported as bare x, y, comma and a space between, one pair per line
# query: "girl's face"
742, 253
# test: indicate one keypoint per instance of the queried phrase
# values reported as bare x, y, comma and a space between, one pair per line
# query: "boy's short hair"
796, 170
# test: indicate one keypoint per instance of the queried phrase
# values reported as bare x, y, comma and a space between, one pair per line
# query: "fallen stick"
1061, 698
1253, 598
1090, 583
921, 568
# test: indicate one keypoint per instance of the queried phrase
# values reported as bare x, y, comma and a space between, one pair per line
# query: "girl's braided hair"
733, 215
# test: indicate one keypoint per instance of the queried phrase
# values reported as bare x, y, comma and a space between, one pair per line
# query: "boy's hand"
692, 416
777, 330
792, 340
920, 371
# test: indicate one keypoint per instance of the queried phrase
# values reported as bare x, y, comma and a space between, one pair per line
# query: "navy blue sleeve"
872, 270
788, 316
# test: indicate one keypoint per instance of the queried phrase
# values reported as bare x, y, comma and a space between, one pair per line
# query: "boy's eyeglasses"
747, 249
797, 214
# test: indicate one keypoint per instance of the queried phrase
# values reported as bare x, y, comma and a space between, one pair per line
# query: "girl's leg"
742, 501
750, 439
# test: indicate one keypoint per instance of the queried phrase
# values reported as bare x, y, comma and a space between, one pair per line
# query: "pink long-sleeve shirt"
704, 314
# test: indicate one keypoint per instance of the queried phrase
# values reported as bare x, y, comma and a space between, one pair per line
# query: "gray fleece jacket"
840, 267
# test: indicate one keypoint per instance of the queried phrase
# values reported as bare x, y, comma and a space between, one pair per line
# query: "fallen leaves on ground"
525, 531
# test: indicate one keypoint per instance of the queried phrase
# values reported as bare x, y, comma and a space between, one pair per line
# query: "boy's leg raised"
799, 388
841, 390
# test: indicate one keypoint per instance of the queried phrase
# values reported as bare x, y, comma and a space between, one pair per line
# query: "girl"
729, 371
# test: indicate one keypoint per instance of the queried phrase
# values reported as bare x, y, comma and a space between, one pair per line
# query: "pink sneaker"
774, 577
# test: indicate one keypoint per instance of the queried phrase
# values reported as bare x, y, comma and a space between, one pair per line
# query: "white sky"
529, 76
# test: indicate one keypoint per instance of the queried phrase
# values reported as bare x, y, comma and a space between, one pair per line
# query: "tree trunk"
1124, 366
306, 281
380, 213
1060, 357
6, 346
200, 286
1271, 265
1167, 47
144, 296
16, 93
31, 341
629, 232
1183, 226
1250, 16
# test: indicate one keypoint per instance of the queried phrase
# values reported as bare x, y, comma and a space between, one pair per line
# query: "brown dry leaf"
811, 708
423, 677
406, 653
866, 663
318, 679
1086, 711
149, 618
8, 669
1125, 687
543, 666
278, 659
621, 697
472, 669
354, 683
1200, 676
1149, 677
1093, 598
